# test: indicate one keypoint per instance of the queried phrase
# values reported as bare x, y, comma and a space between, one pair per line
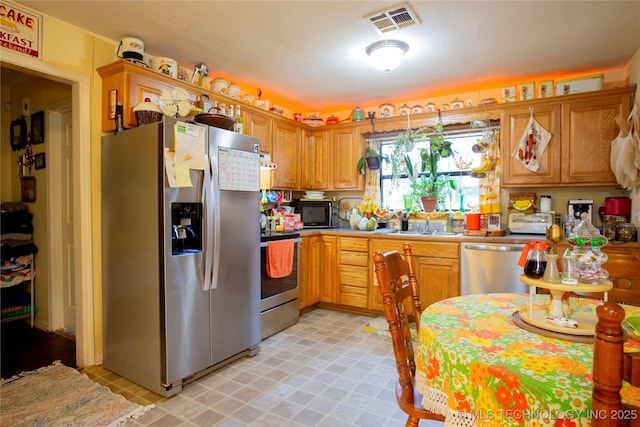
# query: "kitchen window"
465, 147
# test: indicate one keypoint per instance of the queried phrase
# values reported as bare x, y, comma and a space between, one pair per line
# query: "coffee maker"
575, 209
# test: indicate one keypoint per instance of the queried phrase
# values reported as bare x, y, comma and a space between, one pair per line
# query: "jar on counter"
627, 232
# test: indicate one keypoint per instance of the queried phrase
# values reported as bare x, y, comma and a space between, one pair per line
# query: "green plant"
371, 154
433, 148
424, 186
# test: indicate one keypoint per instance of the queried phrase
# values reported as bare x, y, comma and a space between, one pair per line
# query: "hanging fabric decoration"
489, 184
371, 199
625, 150
533, 142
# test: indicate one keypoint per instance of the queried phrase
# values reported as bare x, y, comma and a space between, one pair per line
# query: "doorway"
81, 250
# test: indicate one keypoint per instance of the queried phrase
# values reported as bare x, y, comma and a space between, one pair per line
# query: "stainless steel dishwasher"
490, 268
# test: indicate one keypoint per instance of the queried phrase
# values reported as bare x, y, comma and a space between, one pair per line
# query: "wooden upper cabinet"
315, 160
513, 126
588, 127
259, 125
582, 127
285, 143
129, 83
348, 146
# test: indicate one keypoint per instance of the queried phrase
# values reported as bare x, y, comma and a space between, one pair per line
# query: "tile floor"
322, 371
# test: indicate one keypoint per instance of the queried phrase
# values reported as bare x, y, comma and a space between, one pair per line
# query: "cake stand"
557, 320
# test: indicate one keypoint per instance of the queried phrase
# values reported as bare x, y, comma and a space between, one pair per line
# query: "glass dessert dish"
586, 242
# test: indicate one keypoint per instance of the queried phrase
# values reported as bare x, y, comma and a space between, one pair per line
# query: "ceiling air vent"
393, 19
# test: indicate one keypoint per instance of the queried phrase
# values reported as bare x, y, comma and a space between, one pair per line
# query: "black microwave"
316, 213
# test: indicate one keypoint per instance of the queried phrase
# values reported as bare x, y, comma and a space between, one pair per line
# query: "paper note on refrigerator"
177, 173
190, 141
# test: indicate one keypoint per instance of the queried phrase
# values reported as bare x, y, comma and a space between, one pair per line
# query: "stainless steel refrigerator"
180, 252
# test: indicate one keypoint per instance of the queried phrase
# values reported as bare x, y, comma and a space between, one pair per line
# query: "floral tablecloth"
477, 367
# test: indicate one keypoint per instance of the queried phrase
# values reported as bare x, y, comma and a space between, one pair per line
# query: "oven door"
277, 291
279, 306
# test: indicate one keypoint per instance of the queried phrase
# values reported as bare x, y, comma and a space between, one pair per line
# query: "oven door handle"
264, 244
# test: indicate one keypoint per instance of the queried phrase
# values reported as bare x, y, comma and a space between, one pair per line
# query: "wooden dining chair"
398, 286
611, 365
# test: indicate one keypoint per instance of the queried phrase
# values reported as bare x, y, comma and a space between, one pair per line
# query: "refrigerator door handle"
215, 201
207, 189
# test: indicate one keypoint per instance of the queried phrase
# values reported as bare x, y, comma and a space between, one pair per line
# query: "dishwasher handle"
494, 247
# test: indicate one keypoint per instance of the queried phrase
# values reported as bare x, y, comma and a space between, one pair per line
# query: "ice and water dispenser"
186, 233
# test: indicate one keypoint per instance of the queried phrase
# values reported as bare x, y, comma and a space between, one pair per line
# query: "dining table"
478, 367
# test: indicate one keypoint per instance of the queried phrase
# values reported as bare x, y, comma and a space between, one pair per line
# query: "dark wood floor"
25, 348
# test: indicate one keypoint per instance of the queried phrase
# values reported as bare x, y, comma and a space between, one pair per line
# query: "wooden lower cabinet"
329, 269
623, 266
437, 270
353, 271
310, 263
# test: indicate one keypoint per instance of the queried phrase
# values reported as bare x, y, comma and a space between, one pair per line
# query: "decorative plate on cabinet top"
386, 110
430, 107
417, 109
175, 101
405, 110
457, 103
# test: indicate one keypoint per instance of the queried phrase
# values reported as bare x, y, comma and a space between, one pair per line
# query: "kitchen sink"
434, 233
439, 233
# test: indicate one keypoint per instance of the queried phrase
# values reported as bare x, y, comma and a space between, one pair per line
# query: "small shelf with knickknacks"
17, 265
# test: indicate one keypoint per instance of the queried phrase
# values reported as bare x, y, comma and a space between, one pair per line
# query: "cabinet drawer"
419, 248
353, 296
354, 244
354, 258
354, 276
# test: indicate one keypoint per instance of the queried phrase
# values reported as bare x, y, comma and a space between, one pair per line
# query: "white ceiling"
312, 52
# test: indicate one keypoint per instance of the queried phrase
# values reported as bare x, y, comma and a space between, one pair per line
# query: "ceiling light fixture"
386, 55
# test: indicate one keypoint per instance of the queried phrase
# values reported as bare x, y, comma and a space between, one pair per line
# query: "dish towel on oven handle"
532, 144
280, 258
625, 150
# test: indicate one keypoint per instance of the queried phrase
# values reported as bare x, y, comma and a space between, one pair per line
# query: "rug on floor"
380, 326
59, 395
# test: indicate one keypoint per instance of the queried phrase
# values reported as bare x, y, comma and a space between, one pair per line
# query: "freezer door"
187, 307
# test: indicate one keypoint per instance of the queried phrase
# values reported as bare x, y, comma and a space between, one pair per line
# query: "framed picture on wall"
37, 127
28, 189
18, 134
39, 161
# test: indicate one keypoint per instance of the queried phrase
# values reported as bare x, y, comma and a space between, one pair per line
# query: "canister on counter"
545, 203
627, 232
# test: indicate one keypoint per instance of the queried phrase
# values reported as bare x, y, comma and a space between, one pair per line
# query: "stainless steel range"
279, 307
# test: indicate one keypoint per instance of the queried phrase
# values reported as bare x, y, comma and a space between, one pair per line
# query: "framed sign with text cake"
21, 30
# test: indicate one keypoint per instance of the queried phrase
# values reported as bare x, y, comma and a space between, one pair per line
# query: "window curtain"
489, 185
371, 199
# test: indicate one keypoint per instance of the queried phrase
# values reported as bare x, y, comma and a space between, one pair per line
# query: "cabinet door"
328, 281
588, 127
437, 278
513, 127
315, 161
310, 262
259, 125
286, 141
348, 147
437, 270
